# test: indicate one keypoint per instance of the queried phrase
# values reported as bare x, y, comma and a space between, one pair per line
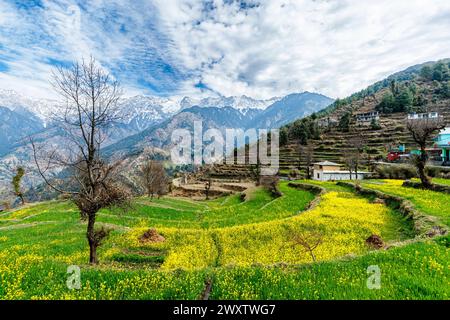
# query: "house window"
318, 176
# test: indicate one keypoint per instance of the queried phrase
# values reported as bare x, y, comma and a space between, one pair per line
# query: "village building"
420, 116
327, 122
443, 143
330, 171
368, 117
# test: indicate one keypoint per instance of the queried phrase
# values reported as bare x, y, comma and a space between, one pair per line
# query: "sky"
261, 49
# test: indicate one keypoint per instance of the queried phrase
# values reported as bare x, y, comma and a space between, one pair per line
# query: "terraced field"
432, 203
243, 245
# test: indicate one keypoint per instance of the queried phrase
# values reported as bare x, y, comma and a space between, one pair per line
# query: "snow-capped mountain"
221, 117
27, 106
141, 112
241, 103
146, 121
138, 111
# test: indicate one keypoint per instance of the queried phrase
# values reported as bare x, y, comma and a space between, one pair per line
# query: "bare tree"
422, 131
307, 239
208, 184
358, 143
154, 178
306, 153
349, 161
90, 109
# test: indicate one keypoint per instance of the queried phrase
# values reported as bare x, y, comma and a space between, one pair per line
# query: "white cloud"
334, 47
264, 49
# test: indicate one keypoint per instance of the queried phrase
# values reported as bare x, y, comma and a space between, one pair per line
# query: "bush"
395, 172
270, 183
437, 172
405, 172
294, 174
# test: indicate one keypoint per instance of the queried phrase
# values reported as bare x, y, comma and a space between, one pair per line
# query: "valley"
225, 231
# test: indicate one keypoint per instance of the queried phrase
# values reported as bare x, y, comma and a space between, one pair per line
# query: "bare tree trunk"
421, 168
22, 199
92, 239
422, 131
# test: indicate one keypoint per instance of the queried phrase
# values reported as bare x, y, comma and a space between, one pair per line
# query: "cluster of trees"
344, 122
301, 130
444, 90
154, 178
438, 72
401, 98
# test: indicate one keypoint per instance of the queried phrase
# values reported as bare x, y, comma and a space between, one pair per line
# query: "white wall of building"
327, 176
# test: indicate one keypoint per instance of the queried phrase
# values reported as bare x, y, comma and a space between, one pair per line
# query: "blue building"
443, 142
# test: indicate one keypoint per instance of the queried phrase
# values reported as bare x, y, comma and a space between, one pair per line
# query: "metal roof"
327, 163
345, 172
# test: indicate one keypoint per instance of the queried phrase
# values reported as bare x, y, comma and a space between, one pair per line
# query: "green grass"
417, 271
442, 181
38, 243
222, 212
432, 203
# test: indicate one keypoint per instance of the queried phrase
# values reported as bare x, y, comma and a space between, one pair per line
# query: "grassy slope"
35, 252
433, 203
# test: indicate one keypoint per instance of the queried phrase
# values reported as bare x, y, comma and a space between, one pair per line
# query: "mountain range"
146, 121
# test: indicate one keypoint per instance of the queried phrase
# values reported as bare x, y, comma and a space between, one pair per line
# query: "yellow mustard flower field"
248, 248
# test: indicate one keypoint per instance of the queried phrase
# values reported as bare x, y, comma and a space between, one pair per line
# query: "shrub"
270, 183
294, 174
437, 172
395, 172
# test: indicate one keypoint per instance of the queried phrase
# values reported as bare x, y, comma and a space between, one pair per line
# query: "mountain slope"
428, 96
291, 107
14, 127
148, 122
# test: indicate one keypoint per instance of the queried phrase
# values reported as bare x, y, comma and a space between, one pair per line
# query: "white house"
326, 171
417, 116
368, 117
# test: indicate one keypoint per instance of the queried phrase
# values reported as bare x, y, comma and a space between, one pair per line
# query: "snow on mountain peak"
140, 111
237, 102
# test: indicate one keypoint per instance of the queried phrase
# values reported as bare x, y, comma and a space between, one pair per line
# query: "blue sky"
255, 48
